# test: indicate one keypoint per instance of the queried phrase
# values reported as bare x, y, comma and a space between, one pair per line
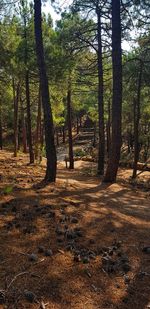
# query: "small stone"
33, 257
146, 250
41, 249
48, 252
30, 296
126, 267
127, 280
74, 220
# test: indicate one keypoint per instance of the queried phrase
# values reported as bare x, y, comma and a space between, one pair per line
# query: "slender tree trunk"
16, 103
113, 161
30, 142
29, 118
38, 129
108, 131
57, 136
136, 124
69, 119
48, 120
94, 138
101, 150
24, 131
77, 125
1, 130
80, 121
64, 135
19, 134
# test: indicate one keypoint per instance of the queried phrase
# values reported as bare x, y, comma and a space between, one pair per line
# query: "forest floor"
76, 244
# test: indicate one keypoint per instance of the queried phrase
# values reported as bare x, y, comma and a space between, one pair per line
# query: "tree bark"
16, 93
108, 131
136, 124
57, 136
31, 153
24, 131
69, 120
64, 135
101, 150
48, 120
38, 128
113, 161
27, 89
77, 125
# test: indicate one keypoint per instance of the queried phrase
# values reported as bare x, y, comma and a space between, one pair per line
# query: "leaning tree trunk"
31, 153
113, 161
136, 124
48, 120
69, 120
101, 150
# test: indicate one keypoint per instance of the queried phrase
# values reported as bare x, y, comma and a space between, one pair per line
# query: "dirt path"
92, 234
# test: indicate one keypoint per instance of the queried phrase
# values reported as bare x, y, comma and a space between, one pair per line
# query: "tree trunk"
108, 131
24, 131
136, 124
1, 130
94, 137
29, 118
57, 136
48, 120
101, 150
64, 135
69, 120
30, 142
77, 125
38, 129
16, 103
113, 161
